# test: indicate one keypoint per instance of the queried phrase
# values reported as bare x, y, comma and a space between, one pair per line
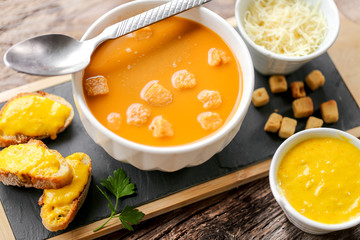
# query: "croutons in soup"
172, 83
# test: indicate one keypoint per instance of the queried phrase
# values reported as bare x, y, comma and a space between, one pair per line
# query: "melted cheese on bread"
59, 204
33, 115
30, 160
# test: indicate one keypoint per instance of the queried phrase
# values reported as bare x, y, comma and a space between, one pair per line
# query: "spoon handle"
149, 17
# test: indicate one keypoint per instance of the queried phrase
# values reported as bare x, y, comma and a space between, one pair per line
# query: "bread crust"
75, 206
61, 178
6, 141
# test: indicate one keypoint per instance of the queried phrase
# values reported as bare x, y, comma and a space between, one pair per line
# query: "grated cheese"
286, 27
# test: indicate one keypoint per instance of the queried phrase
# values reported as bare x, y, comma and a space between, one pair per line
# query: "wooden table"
248, 212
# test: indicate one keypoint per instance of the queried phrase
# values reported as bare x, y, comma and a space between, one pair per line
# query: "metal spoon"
57, 54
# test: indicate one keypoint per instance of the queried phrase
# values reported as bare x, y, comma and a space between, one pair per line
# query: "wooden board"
182, 198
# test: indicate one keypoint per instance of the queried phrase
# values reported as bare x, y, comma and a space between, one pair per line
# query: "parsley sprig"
119, 185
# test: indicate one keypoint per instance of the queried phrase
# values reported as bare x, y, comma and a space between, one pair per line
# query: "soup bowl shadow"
175, 157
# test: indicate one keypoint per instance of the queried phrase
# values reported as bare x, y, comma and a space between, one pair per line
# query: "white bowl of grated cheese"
282, 35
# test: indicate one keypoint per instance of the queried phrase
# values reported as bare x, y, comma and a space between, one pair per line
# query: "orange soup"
172, 83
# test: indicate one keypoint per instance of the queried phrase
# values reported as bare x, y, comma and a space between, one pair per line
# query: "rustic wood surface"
21, 19
248, 212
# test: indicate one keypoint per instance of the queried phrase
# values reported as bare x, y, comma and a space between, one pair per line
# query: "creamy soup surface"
320, 179
169, 84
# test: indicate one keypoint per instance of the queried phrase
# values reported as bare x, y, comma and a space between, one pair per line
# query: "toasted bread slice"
54, 173
59, 206
6, 140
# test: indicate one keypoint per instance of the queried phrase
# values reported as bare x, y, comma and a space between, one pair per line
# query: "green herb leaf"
119, 184
130, 215
110, 204
126, 225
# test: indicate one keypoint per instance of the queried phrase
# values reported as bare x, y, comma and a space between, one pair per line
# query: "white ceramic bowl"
299, 220
177, 157
267, 62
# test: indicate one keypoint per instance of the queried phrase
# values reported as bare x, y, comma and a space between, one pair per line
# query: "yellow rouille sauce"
58, 202
33, 115
26, 159
320, 179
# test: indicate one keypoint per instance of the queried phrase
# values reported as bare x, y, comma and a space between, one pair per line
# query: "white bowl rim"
322, 49
237, 116
283, 202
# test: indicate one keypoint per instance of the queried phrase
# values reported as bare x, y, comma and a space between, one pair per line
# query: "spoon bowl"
53, 54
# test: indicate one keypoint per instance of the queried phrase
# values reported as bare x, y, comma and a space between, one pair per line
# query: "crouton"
95, 86
287, 128
314, 122
315, 80
273, 123
303, 107
278, 84
210, 120
329, 111
297, 89
210, 99
113, 121
260, 97
137, 114
161, 127
183, 79
217, 57
155, 94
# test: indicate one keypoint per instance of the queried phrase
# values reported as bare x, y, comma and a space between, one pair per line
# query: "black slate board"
250, 146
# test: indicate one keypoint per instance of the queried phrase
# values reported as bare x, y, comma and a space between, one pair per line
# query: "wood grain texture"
345, 53
34, 86
248, 212
24, 19
5, 229
177, 200
21, 19
350, 9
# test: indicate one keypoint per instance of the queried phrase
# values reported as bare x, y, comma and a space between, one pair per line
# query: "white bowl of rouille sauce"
314, 176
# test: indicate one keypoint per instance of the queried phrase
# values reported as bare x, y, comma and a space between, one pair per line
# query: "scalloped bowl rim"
236, 117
